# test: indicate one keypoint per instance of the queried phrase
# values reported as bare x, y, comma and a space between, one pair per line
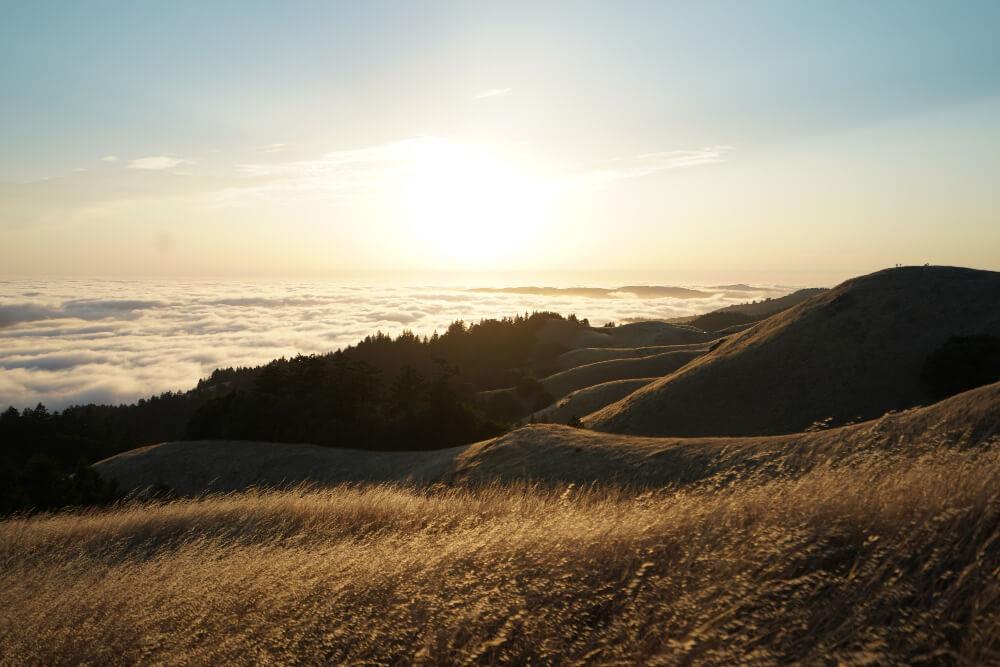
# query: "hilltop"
848, 354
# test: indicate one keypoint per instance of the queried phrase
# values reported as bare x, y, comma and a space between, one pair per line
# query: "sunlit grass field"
882, 559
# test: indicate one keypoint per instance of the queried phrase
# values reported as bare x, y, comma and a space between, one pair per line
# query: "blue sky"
783, 86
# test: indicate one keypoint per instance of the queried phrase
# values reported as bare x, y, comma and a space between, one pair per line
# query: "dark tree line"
44, 461
399, 393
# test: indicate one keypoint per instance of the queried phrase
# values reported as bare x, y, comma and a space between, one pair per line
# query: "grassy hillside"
531, 396
743, 313
850, 353
884, 559
589, 355
584, 401
655, 365
196, 467
549, 453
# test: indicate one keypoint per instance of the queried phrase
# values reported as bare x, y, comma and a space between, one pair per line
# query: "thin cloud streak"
336, 174
360, 171
270, 148
155, 163
493, 92
651, 163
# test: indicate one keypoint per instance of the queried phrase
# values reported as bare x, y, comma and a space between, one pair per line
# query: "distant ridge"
588, 399
648, 291
851, 353
746, 313
562, 383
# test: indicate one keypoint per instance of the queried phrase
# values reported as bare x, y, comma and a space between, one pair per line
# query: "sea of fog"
68, 341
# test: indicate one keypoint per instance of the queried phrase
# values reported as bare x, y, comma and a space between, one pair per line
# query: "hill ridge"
851, 353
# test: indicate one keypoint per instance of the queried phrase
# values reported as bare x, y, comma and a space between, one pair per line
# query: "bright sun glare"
470, 206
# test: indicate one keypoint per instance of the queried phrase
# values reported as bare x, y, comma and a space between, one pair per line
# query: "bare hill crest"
848, 354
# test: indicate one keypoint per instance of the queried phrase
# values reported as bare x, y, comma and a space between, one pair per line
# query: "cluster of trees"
403, 392
44, 461
340, 402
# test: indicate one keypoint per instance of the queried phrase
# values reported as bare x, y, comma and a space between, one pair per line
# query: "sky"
793, 142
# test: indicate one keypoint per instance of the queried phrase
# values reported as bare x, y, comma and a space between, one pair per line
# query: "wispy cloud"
651, 163
362, 171
335, 174
270, 148
109, 158
155, 162
493, 92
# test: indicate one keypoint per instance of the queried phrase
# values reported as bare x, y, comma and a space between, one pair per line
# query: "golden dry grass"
882, 559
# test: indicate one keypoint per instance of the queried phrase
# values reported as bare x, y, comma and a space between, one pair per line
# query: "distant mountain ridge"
747, 313
647, 291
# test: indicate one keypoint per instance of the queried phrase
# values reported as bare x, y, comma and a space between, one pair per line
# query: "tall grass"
885, 560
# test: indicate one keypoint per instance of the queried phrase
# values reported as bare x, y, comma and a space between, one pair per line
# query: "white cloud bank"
73, 341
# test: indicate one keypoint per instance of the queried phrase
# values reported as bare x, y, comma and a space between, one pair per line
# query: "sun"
472, 207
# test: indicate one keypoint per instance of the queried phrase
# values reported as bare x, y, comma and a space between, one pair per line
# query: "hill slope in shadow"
584, 401
553, 454
550, 453
655, 365
851, 353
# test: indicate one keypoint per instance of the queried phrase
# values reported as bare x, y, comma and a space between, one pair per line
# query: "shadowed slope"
584, 401
551, 453
195, 467
742, 313
635, 334
644, 334
851, 353
656, 365
590, 355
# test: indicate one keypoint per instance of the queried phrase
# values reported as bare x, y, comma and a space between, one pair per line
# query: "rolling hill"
848, 354
561, 454
551, 453
570, 336
190, 468
589, 355
655, 365
746, 313
584, 401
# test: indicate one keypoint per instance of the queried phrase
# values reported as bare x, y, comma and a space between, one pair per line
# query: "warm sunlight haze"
525, 138
441, 333
468, 207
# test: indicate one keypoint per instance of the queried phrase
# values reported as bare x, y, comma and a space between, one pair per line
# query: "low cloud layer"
73, 341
